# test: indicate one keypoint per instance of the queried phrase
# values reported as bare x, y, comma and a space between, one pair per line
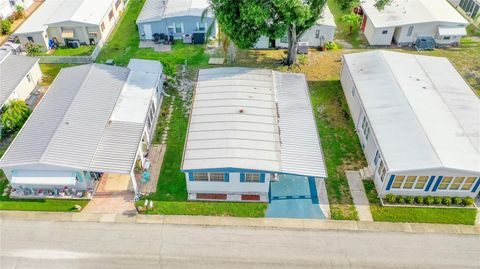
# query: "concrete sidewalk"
358, 194
268, 223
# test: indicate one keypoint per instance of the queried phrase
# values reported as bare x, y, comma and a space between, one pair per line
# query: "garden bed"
427, 201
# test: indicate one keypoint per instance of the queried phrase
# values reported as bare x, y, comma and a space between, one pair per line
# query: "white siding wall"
39, 38
234, 188
327, 32
25, 88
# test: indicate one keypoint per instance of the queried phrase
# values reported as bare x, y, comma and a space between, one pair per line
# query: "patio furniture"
145, 176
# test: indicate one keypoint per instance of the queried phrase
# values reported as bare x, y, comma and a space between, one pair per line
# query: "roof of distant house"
327, 17
57, 11
154, 10
13, 68
253, 119
405, 12
92, 118
424, 115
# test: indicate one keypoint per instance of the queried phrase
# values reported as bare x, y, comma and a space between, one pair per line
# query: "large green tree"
245, 21
14, 115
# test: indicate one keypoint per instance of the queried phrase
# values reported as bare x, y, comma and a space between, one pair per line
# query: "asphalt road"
44, 244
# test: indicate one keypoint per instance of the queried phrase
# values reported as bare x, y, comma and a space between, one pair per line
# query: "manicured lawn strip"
81, 51
417, 215
50, 71
339, 142
123, 45
38, 204
251, 210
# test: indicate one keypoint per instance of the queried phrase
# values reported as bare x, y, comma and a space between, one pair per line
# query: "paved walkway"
112, 196
155, 155
303, 224
358, 194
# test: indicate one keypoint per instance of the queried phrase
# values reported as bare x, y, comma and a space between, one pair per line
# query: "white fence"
73, 59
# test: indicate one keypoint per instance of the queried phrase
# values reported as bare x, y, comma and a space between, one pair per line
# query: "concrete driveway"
294, 197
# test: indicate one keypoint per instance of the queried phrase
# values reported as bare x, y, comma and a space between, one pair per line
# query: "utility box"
425, 43
303, 47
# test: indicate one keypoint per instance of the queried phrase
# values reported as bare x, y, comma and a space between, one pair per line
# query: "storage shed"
247, 127
95, 119
417, 121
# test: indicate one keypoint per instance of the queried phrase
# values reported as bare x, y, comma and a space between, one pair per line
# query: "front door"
147, 29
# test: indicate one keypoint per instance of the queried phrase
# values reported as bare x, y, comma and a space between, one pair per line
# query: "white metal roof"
58, 11
327, 17
422, 113
75, 126
405, 12
13, 69
235, 123
154, 10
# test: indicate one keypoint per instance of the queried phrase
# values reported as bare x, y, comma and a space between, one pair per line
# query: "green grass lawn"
419, 215
343, 30
57, 205
50, 72
81, 51
124, 42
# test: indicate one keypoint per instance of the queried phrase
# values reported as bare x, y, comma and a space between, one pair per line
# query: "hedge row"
428, 200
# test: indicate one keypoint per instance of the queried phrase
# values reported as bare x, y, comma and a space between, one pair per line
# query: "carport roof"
253, 119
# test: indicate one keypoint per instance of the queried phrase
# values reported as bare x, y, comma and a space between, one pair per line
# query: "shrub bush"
410, 199
429, 200
468, 201
400, 199
331, 46
419, 199
5, 27
438, 200
457, 200
391, 198
447, 200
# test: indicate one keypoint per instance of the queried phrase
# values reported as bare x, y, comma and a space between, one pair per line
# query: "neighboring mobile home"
247, 127
317, 36
470, 7
8, 7
60, 21
95, 119
19, 75
176, 18
417, 121
404, 21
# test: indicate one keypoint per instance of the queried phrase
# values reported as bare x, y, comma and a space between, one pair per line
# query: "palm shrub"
438, 200
410, 199
447, 200
419, 199
429, 200
457, 200
468, 201
400, 199
5, 27
14, 115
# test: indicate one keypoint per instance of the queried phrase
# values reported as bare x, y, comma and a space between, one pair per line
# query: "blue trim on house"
435, 187
226, 177
262, 178
242, 177
239, 170
313, 190
429, 184
476, 185
390, 182
190, 176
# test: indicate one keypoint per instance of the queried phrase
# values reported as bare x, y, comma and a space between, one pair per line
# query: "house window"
381, 170
317, 34
30, 39
171, 29
117, 3
252, 177
366, 128
217, 177
377, 156
397, 183
179, 28
422, 180
456, 183
200, 176
447, 37
29, 78
110, 15
353, 91
409, 182
284, 39
467, 185
444, 183
410, 31
384, 32
102, 26
201, 26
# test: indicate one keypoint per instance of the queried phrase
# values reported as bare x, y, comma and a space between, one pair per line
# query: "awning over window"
67, 33
452, 31
43, 178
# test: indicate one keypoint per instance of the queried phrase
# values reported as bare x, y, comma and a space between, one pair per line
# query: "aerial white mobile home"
417, 121
404, 21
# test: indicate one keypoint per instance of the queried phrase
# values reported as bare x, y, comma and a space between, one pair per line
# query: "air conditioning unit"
303, 47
